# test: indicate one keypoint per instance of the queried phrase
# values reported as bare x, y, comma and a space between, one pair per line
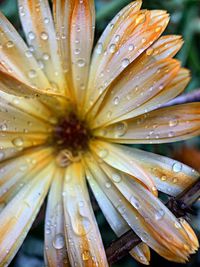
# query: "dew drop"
131, 47
46, 20
99, 48
18, 142
108, 185
44, 36
116, 177
177, 167
103, 153
159, 214
121, 129
31, 35
45, 56
164, 178
149, 51
125, 62
173, 122
10, 44
59, 241
116, 100
28, 54
3, 127
81, 63
2, 155
140, 19
112, 48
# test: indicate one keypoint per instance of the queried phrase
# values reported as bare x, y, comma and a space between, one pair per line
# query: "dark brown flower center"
72, 134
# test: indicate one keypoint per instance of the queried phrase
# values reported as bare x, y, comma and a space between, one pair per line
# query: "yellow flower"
60, 126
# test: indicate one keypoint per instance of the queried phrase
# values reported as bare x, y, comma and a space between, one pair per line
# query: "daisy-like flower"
64, 117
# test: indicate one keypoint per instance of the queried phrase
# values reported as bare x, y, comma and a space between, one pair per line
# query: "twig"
179, 206
194, 96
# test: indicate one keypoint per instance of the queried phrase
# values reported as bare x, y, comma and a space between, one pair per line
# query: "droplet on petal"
59, 241
177, 167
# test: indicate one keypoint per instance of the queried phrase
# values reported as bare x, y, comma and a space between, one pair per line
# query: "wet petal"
165, 47
17, 217
16, 172
164, 125
112, 155
169, 176
17, 59
133, 35
55, 247
81, 227
40, 33
143, 213
134, 89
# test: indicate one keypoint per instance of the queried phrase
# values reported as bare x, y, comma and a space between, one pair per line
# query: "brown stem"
179, 206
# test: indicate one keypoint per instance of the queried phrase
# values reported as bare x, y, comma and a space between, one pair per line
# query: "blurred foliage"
185, 20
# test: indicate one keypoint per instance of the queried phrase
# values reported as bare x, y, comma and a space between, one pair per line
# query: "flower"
61, 126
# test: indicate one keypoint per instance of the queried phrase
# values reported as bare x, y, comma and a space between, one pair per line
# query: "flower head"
64, 116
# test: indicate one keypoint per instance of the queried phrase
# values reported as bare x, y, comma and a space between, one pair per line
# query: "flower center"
71, 137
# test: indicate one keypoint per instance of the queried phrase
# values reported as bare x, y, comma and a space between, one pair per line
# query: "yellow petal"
40, 33
141, 253
17, 59
126, 42
81, 43
134, 89
143, 212
112, 155
17, 217
164, 125
168, 175
16, 172
81, 227
55, 246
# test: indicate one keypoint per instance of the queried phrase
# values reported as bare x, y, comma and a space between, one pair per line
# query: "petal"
134, 89
55, 247
141, 253
162, 49
112, 155
17, 59
169, 176
81, 227
18, 171
163, 125
17, 217
133, 35
40, 33
81, 43
143, 212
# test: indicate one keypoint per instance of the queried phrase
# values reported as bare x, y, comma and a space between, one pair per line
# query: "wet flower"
64, 118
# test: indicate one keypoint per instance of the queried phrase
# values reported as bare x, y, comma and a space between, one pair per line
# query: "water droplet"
31, 35
77, 51
144, 40
86, 255
18, 142
46, 20
99, 48
81, 63
149, 51
159, 214
28, 54
140, 19
10, 44
59, 241
32, 74
135, 202
117, 38
125, 62
164, 178
116, 177
108, 185
116, 100
131, 47
112, 48
177, 225
45, 56
3, 127
121, 129
173, 122
103, 153
44, 36
177, 167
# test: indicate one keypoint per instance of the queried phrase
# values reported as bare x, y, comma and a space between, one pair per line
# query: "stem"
179, 206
